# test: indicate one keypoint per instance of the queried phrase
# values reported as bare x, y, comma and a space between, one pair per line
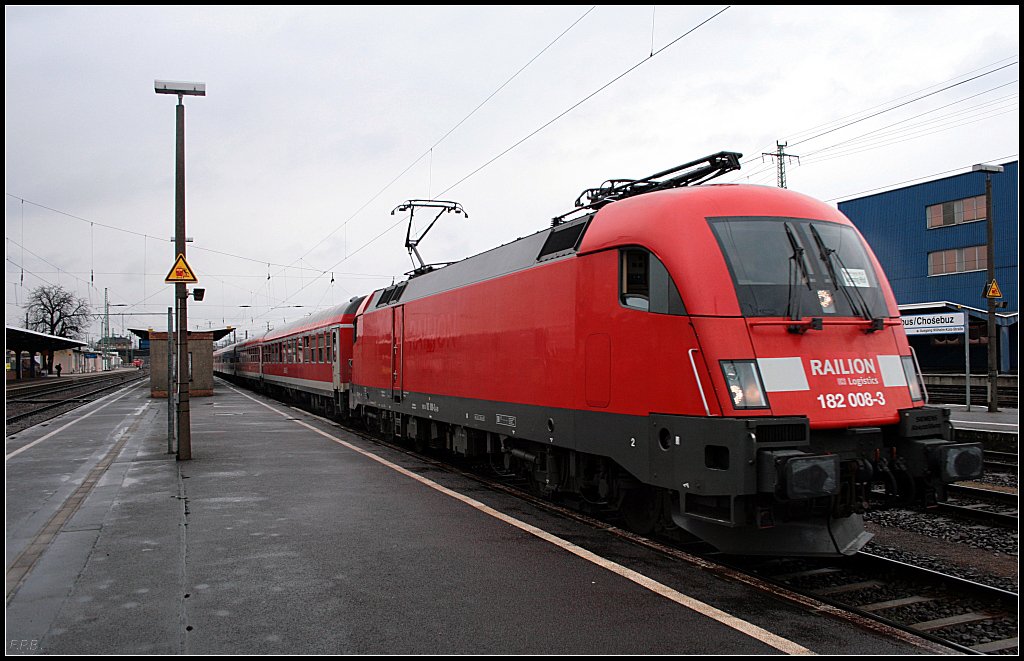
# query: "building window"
956, 212
958, 260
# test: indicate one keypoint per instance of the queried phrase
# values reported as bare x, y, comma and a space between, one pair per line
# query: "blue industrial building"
931, 240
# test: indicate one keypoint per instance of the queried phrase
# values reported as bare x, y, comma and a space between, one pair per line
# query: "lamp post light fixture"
990, 264
184, 424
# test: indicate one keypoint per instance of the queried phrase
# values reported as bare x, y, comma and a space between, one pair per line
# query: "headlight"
744, 384
912, 381
811, 476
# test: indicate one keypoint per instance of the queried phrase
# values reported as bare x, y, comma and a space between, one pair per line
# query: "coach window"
646, 284
320, 347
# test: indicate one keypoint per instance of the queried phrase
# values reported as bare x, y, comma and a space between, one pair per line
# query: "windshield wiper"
827, 255
794, 304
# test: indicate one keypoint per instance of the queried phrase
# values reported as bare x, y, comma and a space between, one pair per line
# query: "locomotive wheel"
641, 509
419, 443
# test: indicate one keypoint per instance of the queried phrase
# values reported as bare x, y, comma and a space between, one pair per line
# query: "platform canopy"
21, 339
217, 333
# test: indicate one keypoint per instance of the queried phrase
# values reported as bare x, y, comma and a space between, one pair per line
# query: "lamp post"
180, 291
990, 263
107, 318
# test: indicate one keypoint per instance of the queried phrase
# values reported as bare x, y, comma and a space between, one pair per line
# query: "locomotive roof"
633, 221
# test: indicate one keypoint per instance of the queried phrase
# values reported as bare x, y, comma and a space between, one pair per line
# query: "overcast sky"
319, 121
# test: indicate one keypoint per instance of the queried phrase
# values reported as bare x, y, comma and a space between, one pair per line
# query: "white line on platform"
77, 419
752, 630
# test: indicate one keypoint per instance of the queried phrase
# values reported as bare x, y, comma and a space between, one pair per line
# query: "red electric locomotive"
728, 359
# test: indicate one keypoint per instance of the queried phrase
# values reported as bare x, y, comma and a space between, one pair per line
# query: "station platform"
288, 535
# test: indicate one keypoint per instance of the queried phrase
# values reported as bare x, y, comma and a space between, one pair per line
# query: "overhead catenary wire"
918, 179
94, 223
927, 112
531, 134
535, 132
350, 254
904, 138
586, 98
900, 105
839, 120
429, 150
752, 176
87, 284
886, 106
302, 268
309, 293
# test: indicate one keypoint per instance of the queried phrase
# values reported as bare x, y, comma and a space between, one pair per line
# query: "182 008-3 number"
851, 400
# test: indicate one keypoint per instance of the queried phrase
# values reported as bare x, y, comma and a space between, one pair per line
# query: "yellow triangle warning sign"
181, 272
992, 290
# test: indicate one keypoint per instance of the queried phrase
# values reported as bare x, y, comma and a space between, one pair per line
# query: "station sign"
992, 290
181, 272
945, 323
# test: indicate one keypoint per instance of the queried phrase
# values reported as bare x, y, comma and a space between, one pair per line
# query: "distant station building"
931, 239
122, 345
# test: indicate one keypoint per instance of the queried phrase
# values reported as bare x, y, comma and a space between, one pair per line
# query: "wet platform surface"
287, 535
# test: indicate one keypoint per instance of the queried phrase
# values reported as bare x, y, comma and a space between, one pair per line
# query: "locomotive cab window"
794, 267
645, 283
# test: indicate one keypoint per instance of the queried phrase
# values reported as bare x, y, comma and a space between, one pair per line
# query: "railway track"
1001, 461
913, 600
917, 600
943, 394
870, 590
984, 505
49, 400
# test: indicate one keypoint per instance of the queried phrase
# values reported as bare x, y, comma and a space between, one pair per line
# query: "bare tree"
57, 311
